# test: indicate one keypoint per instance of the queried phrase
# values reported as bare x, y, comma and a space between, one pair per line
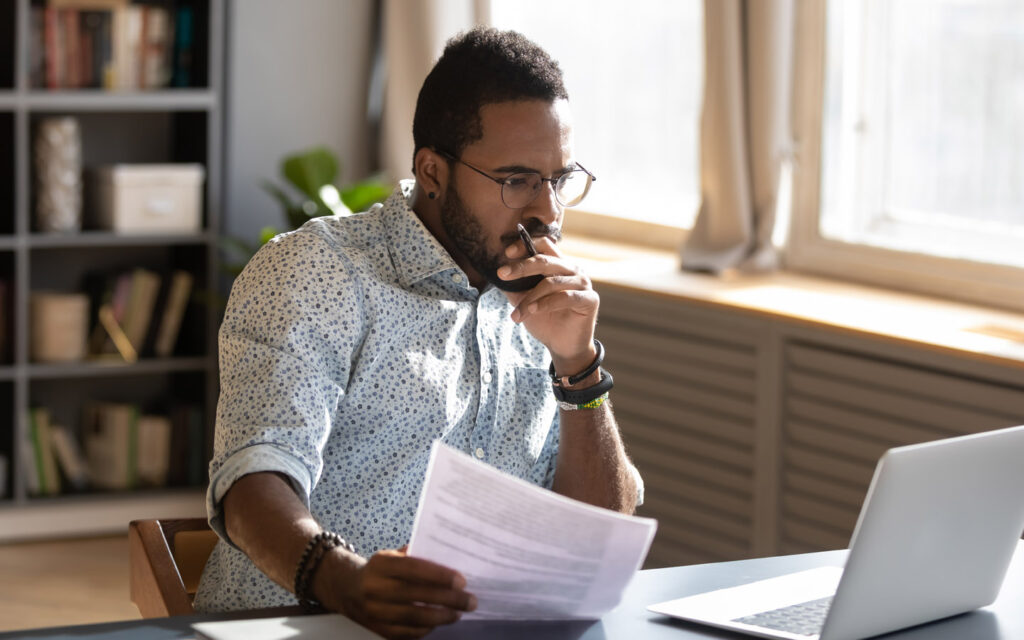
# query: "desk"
1004, 620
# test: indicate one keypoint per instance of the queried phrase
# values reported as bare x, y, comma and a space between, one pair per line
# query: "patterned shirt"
348, 347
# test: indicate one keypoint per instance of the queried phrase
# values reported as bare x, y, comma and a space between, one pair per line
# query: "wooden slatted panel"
842, 410
685, 385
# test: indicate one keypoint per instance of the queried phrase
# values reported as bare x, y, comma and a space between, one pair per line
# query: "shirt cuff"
253, 459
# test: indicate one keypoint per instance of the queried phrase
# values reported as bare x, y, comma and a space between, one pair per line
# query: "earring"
431, 195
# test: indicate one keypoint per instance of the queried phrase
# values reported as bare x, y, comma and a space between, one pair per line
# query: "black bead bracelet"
312, 555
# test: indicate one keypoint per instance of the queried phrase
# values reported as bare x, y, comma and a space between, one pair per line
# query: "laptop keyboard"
805, 619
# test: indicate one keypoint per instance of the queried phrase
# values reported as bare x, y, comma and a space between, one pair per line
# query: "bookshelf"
179, 124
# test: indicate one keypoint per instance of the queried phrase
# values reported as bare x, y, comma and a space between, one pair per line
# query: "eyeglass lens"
520, 189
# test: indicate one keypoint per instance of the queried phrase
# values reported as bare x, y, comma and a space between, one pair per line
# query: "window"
921, 176
634, 72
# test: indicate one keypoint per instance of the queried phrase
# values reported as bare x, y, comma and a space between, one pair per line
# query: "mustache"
535, 229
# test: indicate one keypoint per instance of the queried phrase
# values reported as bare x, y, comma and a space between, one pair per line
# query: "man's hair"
479, 67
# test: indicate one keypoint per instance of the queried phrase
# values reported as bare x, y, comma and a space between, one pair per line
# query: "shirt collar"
415, 252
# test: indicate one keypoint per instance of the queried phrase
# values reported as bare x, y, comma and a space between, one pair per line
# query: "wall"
297, 75
758, 435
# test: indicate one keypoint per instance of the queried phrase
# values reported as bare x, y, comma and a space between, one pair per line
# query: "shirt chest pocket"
534, 409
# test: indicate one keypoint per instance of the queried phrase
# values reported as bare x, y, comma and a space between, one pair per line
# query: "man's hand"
391, 593
561, 310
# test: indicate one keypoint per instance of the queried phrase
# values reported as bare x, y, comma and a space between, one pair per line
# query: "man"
349, 346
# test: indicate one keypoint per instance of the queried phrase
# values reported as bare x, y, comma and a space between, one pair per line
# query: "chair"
166, 559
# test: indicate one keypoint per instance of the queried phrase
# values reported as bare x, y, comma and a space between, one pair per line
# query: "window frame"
614, 228
808, 251
612, 225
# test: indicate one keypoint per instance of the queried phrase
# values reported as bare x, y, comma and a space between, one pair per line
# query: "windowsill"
623, 230
974, 331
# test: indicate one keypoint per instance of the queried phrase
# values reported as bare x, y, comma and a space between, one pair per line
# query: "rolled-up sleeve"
284, 363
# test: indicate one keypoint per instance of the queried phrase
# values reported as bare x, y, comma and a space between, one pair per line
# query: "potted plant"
311, 173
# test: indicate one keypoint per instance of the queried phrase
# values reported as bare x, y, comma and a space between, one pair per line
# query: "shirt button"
486, 377
456, 277
479, 453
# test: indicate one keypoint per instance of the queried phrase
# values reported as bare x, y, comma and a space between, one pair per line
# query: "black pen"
527, 240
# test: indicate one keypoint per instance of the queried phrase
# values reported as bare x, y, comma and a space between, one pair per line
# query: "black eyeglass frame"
502, 182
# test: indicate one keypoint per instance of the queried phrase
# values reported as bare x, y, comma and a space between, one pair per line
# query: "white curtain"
415, 32
745, 133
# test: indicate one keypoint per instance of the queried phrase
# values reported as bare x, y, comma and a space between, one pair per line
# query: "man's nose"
545, 207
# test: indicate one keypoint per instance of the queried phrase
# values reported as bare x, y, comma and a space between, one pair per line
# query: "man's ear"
431, 171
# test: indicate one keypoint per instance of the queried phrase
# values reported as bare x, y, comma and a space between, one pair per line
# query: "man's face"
530, 135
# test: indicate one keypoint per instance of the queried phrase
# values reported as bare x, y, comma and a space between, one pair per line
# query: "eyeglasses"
520, 189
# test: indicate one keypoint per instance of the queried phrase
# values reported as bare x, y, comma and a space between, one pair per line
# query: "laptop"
934, 539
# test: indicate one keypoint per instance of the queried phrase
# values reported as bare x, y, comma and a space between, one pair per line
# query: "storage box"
148, 198
60, 322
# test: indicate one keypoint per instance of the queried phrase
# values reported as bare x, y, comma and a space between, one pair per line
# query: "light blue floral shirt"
347, 348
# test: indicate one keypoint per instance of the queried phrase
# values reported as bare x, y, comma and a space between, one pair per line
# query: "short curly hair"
479, 67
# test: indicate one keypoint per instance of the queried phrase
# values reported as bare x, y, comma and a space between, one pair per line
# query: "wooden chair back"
166, 560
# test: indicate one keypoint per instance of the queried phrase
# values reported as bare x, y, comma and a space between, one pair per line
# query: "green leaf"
310, 170
365, 193
266, 234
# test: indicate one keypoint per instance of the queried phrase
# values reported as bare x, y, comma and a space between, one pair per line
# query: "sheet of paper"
527, 553
332, 625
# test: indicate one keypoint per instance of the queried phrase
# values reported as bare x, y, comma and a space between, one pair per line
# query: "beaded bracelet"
593, 404
312, 555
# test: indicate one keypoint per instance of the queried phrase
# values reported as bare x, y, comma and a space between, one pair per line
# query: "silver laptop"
935, 536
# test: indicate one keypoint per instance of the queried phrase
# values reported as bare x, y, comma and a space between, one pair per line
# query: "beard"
467, 235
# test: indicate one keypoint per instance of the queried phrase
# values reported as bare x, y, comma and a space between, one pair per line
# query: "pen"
527, 240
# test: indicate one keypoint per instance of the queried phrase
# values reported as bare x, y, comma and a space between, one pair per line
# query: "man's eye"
518, 182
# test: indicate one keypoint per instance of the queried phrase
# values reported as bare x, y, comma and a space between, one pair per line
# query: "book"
46, 461
156, 48
175, 303
69, 455
29, 467
108, 294
154, 450
37, 49
110, 44
87, 4
182, 65
129, 62
138, 310
111, 445
51, 43
95, 46
71, 49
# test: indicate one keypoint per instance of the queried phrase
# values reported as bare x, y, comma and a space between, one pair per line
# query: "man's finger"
411, 615
409, 569
537, 265
401, 593
571, 292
